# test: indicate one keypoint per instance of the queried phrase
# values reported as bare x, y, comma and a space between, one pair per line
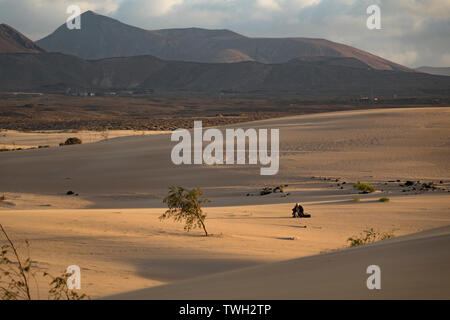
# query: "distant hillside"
103, 37
433, 70
13, 41
313, 77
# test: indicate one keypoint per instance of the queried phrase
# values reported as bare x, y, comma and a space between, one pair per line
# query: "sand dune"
112, 231
412, 267
373, 145
128, 249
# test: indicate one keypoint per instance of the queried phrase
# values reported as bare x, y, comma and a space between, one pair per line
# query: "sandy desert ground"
336, 275
112, 231
13, 139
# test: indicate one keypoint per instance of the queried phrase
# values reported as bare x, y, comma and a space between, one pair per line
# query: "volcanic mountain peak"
103, 37
13, 41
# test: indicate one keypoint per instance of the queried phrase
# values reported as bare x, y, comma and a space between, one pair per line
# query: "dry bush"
17, 276
368, 236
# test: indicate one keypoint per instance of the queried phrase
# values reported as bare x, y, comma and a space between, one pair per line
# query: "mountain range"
103, 37
77, 60
440, 71
56, 72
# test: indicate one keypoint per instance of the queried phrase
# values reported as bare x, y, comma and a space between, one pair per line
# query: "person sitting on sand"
294, 211
300, 213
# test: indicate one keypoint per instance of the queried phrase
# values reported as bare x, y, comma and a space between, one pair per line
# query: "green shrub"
279, 188
384, 199
186, 205
356, 199
364, 187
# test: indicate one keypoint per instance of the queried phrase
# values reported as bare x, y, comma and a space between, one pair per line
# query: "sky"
413, 32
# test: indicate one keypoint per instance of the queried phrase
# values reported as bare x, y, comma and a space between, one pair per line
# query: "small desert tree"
186, 205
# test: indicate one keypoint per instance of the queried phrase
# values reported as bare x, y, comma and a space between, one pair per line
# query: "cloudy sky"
413, 32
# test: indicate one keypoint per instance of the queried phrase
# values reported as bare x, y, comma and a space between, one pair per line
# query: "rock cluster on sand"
71, 141
269, 190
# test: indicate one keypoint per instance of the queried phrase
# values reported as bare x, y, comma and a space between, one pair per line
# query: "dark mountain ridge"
440, 71
56, 72
12, 40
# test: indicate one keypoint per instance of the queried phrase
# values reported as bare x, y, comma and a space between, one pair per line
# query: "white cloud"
158, 7
404, 58
445, 59
300, 4
103, 6
291, 6
268, 4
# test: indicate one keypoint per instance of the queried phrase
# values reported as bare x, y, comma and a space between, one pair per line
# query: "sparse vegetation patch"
364, 187
368, 236
17, 276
